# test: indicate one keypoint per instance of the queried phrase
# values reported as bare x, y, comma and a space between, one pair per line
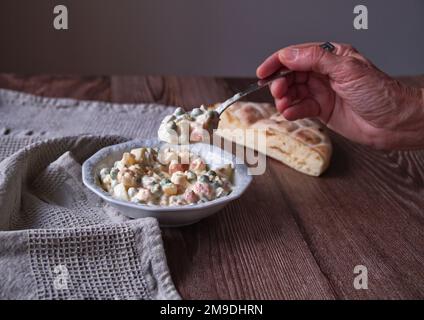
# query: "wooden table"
290, 236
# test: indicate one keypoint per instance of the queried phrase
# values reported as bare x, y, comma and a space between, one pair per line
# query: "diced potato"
127, 178
138, 154
170, 189
166, 156
136, 168
120, 192
128, 159
119, 165
143, 195
197, 165
104, 172
106, 180
179, 178
147, 181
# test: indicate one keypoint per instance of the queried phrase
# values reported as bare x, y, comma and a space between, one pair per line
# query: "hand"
347, 93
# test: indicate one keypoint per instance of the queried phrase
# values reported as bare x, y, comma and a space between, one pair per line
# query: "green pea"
204, 178
211, 173
216, 185
114, 173
165, 181
171, 125
191, 175
196, 112
156, 188
179, 111
104, 172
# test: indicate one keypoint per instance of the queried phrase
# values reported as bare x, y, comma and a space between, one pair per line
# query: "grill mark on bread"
308, 136
280, 150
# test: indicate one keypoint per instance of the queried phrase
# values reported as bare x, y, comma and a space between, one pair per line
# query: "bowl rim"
89, 180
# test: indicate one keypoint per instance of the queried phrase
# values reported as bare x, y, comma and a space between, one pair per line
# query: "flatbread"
302, 144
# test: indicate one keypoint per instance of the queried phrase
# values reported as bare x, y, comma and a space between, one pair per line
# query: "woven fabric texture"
57, 239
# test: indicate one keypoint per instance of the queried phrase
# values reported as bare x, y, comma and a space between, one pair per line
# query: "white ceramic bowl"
167, 216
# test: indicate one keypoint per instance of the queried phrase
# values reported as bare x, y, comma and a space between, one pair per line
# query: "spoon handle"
252, 88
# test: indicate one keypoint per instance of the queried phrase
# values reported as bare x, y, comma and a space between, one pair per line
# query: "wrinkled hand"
347, 93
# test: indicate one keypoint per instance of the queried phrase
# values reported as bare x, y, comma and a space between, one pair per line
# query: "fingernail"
290, 54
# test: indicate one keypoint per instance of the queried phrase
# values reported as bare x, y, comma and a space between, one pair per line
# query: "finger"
311, 58
322, 62
273, 63
279, 88
307, 108
269, 66
287, 100
282, 104
340, 49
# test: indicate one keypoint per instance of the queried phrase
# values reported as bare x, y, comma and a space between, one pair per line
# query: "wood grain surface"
290, 236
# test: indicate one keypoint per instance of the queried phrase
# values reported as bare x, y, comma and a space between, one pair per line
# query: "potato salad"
185, 127
165, 177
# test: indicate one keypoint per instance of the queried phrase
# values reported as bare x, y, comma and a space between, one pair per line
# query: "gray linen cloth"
57, 239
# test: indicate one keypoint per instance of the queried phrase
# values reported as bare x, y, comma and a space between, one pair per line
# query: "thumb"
312, 58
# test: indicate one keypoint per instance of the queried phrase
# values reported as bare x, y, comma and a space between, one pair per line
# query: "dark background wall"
215, 37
